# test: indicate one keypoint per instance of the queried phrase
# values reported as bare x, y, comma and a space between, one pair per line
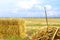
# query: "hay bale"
11, 27
52, 33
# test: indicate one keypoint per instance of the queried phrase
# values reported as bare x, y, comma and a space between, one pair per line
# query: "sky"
29, 8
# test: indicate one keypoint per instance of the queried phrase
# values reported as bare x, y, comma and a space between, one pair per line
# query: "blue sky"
29, 8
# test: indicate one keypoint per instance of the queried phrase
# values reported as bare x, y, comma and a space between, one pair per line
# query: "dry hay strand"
52, 33
57, 36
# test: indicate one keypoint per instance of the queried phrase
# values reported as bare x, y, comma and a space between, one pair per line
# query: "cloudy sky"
29, 8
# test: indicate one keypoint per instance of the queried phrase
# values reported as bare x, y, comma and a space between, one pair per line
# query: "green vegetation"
42, 24
16, 38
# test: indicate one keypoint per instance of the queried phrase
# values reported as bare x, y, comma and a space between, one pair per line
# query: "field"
37, 23
42, 22
33, 25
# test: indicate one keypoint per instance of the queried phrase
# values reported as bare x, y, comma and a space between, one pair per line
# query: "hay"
53, 33
11, 28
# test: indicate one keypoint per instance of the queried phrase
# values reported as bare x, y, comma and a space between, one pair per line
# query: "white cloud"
48, 7
19, 4
6, 1
13, 10
40, 7
14, 6
54, 0
51, 13
27, 4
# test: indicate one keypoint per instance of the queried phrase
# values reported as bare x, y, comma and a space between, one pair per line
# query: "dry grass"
33, 25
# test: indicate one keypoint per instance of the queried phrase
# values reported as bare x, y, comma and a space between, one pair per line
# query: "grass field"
34, 24
37, 23
42, 21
